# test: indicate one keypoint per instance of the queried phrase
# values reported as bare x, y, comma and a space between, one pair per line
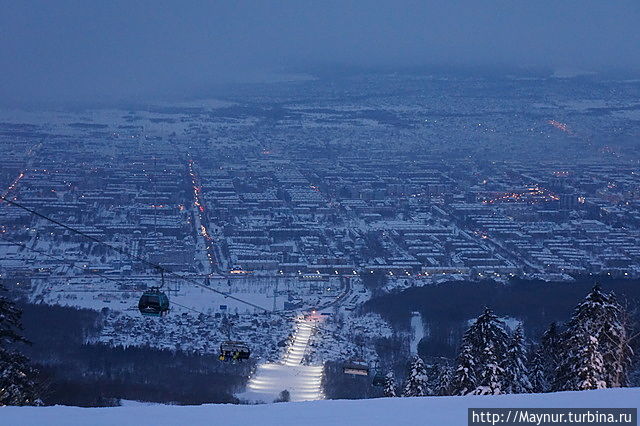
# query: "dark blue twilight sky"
66, 50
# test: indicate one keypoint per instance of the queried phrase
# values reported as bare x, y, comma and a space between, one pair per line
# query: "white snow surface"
369, 412
417, 331
304, 382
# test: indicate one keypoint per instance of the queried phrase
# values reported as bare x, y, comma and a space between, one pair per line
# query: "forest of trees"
446, 307
50, 362
18, 378
591, 351
64, 369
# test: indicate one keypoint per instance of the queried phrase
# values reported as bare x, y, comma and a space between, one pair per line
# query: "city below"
284, 208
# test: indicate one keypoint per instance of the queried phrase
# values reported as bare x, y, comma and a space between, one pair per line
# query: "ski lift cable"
133, 256
117, 280
73, 264
317, 326
103, 275
127, 253
87, 236
191, 309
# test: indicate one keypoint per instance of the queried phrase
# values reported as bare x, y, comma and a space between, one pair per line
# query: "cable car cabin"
356, 369
379, 380
153, 302
231, 350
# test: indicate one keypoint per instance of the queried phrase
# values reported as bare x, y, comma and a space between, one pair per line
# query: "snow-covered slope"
370, 412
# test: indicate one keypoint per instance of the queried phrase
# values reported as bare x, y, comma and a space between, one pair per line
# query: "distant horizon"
69, 51
223, 91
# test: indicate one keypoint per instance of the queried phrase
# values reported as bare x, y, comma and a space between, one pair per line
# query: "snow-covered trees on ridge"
417, 383
390, 385
516, 372
482, 359
593, 352
17, 386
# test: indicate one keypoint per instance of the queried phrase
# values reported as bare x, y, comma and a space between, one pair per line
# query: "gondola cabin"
234, 351
154, 303
356, 369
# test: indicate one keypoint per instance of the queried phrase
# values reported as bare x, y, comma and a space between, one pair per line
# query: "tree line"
592, 351
51, 361
446, 307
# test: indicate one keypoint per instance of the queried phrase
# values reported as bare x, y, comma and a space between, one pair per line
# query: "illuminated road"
30, 155
304, 382
13, 185
204, 237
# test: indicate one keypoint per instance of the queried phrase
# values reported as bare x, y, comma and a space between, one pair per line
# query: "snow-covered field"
417, 331
371, 412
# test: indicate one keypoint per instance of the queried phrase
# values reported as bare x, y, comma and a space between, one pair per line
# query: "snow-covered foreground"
370, 412
304, 382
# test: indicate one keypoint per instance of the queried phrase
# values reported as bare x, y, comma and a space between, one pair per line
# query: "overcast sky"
110, 49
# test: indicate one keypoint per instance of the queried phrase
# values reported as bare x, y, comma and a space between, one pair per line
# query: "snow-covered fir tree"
516, 371
595, 350
537, 374
17, 385
491, 378
590, 366
433, 377
464, 377
482, 360
417, 383
546, 359
390, 385
490, 340
444, 379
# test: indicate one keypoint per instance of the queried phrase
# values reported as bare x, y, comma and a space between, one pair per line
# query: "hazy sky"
110, 49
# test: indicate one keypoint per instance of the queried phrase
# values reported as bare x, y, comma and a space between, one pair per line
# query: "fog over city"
77, 51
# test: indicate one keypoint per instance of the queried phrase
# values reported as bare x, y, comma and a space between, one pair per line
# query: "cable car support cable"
127, 253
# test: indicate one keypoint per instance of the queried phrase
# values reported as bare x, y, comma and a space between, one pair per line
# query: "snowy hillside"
371, 412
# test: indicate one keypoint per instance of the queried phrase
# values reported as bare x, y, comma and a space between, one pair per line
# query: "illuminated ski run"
304, 382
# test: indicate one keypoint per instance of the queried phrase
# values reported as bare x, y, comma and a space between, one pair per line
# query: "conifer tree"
417, 381
485, 346
547, 359
390, 385
595, 350
590, 367
444, 380
491, 378
17, 385
464, 377
537, 371
516, 371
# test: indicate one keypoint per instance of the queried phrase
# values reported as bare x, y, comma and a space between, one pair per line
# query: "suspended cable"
106, 277
158, 267
127, 253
